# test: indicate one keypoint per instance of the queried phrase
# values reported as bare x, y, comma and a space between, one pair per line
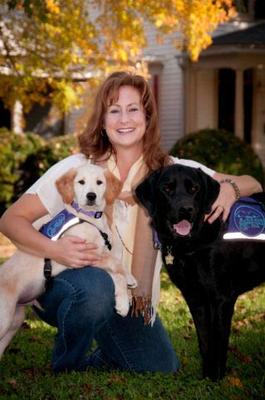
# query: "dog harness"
246, 220
59, 224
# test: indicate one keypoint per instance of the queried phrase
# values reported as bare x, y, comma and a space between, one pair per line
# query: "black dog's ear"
145, 192
211, 190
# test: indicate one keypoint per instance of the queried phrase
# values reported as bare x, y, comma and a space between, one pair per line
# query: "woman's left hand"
223, 203
244, 185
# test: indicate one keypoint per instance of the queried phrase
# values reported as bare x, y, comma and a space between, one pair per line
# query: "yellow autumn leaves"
195, 20
58, 40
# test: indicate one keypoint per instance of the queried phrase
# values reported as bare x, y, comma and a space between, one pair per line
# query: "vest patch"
63, 220
246, 220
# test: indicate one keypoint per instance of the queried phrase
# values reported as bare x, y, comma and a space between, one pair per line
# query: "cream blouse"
124, 216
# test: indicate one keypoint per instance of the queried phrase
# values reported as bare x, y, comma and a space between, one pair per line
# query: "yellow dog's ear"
113, 187
65, 186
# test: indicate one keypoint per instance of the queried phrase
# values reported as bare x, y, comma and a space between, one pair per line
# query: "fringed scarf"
143, 268
143, 255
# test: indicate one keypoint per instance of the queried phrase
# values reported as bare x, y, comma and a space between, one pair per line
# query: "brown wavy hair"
94, 142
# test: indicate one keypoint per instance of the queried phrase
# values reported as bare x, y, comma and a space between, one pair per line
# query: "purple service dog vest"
59, 224
246, 220
65, 220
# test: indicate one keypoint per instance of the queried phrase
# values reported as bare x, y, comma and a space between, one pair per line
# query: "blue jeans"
80, 303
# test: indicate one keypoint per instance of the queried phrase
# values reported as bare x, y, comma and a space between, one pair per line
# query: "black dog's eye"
168, 187
99, 182
193, 189
82, 182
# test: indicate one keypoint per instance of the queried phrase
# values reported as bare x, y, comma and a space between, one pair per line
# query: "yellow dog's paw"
122, 307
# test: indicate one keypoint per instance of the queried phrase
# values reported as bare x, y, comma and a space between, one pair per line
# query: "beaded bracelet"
234, 186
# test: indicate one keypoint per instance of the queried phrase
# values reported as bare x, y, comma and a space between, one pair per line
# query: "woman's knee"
89, 290
94, 292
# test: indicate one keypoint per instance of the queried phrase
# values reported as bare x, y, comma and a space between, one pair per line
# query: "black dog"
210, 272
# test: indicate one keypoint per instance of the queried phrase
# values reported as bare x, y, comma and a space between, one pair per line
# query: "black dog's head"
177, 198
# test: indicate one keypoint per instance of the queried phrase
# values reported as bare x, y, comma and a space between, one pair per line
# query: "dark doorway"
5, 116
226, 99
259, 9
44, 120
248, 104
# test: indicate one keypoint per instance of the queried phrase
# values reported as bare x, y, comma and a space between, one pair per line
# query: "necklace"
122, 241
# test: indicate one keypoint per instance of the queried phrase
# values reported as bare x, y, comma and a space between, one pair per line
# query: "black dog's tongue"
183, 227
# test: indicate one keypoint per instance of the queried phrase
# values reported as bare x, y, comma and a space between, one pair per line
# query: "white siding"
171, 96
170, 87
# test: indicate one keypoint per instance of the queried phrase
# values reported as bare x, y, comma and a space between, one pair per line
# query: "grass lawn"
25, 371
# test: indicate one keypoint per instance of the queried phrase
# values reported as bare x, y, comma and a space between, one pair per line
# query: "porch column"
17, 118
190, 100
239, 104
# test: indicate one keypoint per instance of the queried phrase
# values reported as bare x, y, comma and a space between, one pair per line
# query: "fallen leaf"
234, 381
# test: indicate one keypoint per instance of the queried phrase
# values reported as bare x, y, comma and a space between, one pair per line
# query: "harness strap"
106, 239
156, 241
104, 235
47, 272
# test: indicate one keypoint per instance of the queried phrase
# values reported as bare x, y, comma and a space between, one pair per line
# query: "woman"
123, 135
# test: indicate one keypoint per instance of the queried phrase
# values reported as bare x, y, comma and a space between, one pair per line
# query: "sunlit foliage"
48, 45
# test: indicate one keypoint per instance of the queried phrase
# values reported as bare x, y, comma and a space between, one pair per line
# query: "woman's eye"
133, 109
99, 182
113, 111
82, 182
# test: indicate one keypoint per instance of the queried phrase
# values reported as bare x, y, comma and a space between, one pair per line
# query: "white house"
224, 89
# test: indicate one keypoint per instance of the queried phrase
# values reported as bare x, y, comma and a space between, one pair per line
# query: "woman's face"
125, 121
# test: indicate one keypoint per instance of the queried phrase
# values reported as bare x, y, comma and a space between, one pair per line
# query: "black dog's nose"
91, 197
186, 212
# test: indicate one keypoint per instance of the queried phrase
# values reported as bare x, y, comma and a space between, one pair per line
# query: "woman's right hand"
74, 252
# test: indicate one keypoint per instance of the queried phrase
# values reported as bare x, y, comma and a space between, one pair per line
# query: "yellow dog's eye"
99, 182
82, 182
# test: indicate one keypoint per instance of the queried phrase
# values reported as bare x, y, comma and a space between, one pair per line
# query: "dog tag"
169, 258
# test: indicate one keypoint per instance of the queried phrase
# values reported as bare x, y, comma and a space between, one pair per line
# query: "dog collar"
92, 214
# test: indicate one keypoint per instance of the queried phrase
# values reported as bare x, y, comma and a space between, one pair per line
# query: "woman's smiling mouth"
124, 131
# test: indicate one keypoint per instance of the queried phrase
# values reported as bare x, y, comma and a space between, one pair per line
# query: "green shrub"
24, 158
221, 151
14, 151
55, 150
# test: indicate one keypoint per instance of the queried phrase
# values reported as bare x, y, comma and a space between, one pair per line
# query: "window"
226, 99
254, 9
5, 116
259, 9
